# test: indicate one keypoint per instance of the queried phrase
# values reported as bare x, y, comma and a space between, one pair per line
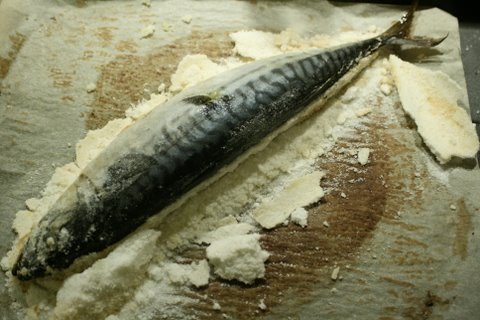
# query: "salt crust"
430, 98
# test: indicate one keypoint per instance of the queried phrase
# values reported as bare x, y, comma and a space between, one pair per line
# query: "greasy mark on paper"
17, 40
463, 229
129, 78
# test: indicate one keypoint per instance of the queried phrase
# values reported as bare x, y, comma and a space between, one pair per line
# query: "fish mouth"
27, 269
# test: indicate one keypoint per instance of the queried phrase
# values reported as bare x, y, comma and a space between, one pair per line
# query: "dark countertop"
470, 40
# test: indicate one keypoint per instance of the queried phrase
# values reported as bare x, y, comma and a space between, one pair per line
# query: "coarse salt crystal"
91, 87
386, 89
363, 155
335, 272
147, 32
187, 19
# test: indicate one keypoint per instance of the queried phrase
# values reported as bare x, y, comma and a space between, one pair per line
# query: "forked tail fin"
399, 32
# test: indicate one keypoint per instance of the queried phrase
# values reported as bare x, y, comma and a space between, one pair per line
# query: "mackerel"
189, 140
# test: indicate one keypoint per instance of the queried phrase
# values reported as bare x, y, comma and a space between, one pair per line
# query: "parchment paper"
51, 50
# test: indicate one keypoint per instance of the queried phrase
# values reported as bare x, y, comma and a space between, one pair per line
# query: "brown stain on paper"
17, 40
302, 259
126, 46
61, 79
427, 304
129, 78
463, 228
105, 35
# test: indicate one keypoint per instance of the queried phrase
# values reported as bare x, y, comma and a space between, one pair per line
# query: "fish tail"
399, 32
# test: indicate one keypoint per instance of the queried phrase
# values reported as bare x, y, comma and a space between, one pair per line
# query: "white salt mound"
238, 257
196, 273
255, 44
193, 69
84, 294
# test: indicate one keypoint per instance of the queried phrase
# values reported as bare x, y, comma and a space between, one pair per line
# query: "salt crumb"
453, 207
350, 95
167, 27
363, 154
335, 272
297, 193
342, 117
262, 305
299, 216
363, 111
238, 257
199, 274
386, 88
326, 224
334, 290
91, 87
343, 195
187, 19
147, 32
387, 79
50, 241
216, 306
161, 87
33, 203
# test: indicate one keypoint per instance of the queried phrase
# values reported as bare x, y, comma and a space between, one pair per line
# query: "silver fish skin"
180, 144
